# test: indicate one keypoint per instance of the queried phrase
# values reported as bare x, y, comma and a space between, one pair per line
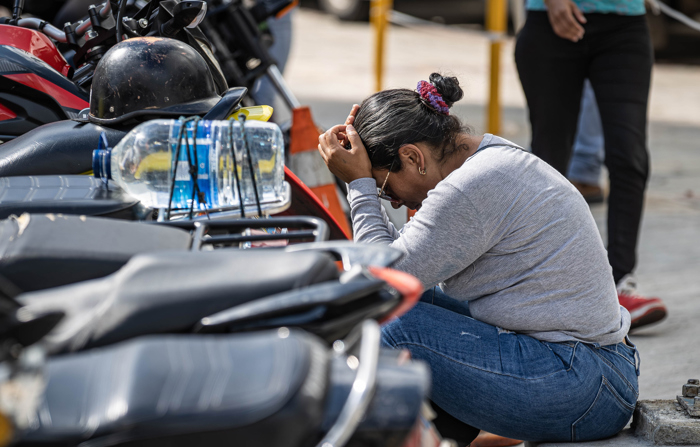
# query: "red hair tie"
428, 92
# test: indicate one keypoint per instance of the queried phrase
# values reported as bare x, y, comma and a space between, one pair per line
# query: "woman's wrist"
365, 184
362, 187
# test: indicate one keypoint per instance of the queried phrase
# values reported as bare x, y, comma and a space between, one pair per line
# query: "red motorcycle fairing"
305, 203
6, 114
49, 88
36, 44
66, 99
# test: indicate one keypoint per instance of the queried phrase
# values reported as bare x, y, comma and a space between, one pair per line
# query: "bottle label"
183, 180
183, 171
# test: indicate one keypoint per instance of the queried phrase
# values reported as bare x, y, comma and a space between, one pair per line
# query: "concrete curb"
664, 422
655, 423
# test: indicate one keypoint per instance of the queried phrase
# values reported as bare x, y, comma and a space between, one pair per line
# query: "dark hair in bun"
394, 118
448, 87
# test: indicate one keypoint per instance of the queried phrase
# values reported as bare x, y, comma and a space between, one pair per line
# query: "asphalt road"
330, 68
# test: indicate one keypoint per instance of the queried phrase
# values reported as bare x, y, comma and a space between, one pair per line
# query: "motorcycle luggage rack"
231, 232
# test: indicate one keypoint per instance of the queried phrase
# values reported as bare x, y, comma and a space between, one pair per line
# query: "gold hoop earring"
421, 171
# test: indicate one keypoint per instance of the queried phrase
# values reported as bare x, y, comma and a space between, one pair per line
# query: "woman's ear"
410, 154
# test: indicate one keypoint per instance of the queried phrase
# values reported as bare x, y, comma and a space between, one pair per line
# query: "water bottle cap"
102, 163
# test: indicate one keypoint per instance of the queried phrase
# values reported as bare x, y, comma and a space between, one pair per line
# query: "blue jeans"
589, 146
514, 385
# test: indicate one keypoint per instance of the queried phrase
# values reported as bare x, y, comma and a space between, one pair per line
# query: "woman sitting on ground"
528, 339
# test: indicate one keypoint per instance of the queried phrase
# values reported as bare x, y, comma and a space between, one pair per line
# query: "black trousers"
615, 55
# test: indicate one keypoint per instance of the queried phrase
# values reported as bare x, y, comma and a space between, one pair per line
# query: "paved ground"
330, 68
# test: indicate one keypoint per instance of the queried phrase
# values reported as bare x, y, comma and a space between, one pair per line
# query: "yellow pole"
496, 22
379, 17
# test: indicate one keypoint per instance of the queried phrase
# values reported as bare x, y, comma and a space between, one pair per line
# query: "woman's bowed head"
405, 139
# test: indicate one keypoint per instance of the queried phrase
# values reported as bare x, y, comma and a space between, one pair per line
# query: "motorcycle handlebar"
44, 27
56, 33
106, 9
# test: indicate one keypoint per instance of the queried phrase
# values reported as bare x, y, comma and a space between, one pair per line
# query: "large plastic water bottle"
144, 161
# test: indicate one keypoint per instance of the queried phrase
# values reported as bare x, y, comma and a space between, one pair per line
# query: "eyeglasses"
380, 191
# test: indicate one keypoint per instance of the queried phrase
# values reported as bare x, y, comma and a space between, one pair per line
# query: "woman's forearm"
369, 220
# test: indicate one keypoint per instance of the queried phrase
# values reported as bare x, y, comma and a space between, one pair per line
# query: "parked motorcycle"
38, 85
129, 75
283, 387
111, 278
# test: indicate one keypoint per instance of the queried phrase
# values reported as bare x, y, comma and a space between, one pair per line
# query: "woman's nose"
396, 205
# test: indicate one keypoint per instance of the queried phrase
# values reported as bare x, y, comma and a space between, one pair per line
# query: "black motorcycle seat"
170, 292
42, 251
62, 147
66, 194
257, 389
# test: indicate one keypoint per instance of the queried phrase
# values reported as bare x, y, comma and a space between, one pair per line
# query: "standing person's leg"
620, 74
552, 71
588, 154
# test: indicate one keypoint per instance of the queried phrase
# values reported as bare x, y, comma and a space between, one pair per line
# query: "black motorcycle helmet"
147, 76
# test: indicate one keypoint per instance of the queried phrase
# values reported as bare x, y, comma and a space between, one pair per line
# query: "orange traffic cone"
307, 164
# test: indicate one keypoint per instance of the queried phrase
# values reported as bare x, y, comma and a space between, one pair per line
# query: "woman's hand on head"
347, 164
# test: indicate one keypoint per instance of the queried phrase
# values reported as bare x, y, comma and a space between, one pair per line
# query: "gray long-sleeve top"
508, 233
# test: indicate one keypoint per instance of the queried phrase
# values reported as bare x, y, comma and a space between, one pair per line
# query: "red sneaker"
643, 310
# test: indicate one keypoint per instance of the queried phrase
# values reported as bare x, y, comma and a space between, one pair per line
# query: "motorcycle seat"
257, 389
66, 194
170, 292
61, 147
40, 251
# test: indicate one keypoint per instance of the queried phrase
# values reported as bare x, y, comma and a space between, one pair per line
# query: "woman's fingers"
354, 138
353, 112
329, 142
323, 153
349, 120
579, 15
566, 19
342, 138
348, 165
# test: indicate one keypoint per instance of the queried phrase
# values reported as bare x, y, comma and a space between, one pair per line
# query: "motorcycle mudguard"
60, 148
170, 292
247, 390
42, 251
